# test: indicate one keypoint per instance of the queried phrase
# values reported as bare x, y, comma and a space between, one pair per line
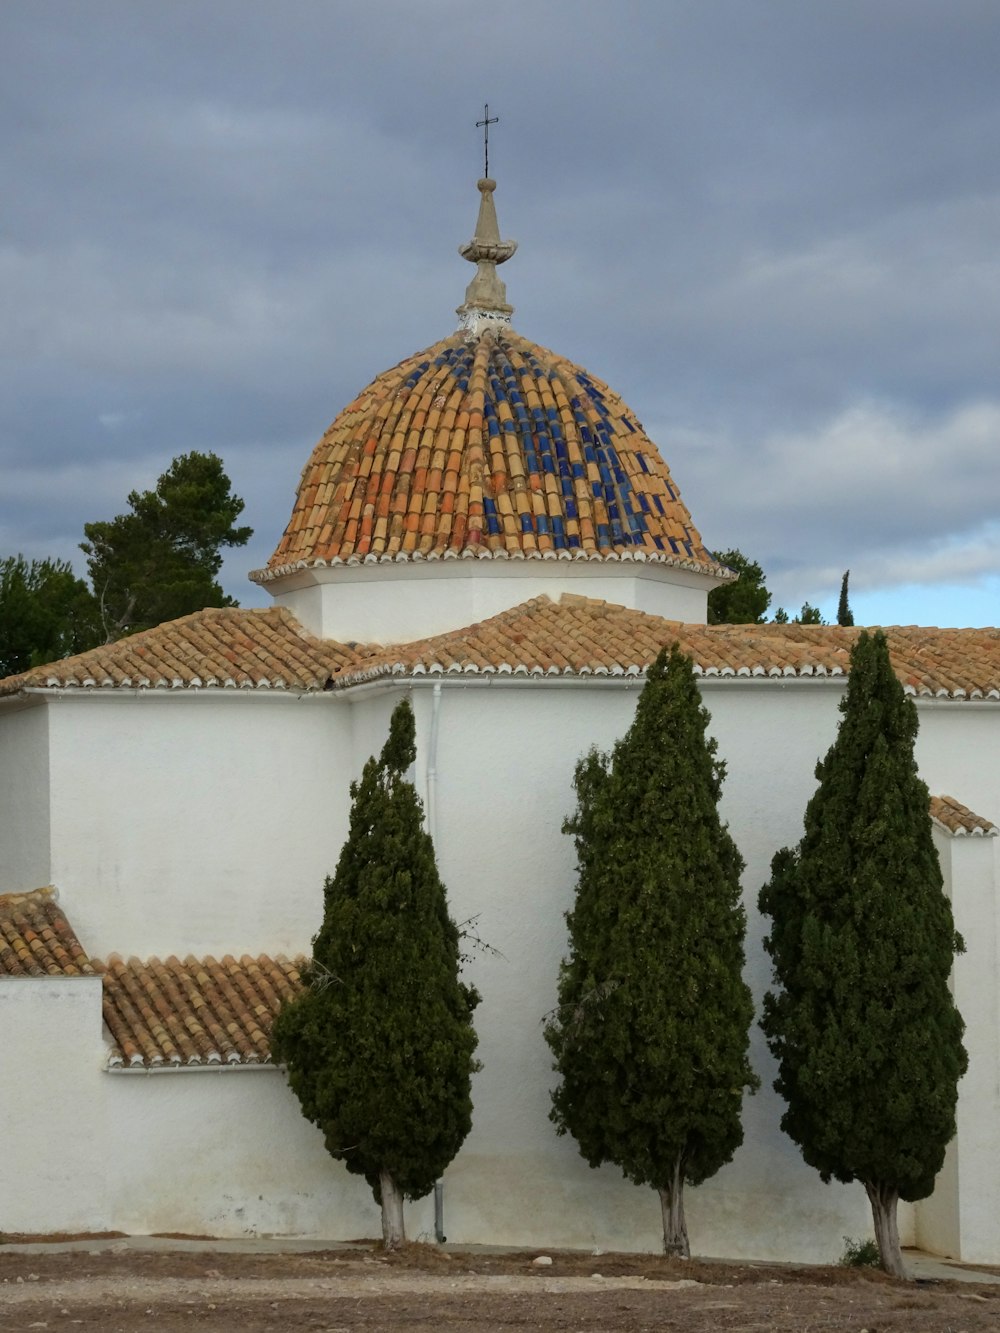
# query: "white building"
487, 528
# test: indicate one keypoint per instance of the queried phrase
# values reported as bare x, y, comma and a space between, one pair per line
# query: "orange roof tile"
578, 636
492, 446
575, 636
959, 820
217, 648
36, 940
196, 1012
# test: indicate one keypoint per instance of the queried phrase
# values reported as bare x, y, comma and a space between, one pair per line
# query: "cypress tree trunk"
883, 1199
675, 1235
393, 1232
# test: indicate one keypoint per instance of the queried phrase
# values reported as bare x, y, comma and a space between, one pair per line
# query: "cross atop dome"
486, 296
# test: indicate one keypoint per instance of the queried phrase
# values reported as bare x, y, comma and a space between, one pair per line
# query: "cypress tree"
844, 613
862, 1023
379, 1044
650, 1035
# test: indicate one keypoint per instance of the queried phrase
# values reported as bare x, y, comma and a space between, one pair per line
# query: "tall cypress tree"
379, 1044
844, 614
651, 1031
862, 1023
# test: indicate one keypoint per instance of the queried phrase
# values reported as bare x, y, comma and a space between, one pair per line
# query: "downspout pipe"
431, 814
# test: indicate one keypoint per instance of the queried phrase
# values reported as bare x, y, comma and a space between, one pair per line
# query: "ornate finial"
486, 295
484, 125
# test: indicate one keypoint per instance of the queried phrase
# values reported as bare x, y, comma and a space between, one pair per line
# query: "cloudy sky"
772, 225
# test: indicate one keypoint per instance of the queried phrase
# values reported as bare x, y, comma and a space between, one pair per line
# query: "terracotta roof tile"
581, 636
36, 940
203, 1011
226, 648
487, 446
959, 820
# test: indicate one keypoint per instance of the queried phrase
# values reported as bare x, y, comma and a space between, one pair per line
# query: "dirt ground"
124, 1290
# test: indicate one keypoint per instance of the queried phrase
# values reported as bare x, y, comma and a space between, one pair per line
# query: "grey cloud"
771, 227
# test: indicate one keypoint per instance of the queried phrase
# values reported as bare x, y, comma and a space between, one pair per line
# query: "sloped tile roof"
959, 820
228, 648
36, 940
269, 649
196, 1012
579, 636
487, 446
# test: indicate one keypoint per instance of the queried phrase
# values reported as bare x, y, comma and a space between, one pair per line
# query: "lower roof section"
574, 636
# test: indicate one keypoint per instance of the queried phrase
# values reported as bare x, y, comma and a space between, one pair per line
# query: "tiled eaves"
958, 820
196, 1012
582, 637
489, 447
36, 940
225, 649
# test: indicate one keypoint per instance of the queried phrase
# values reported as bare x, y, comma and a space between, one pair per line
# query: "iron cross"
484, 125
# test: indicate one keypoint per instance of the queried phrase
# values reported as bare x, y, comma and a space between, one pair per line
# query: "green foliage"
781, 616
744, 602
866, 1035
379, 1045
651, 1031
160, 560
45, 613
844, 614
809, 615
860, 1254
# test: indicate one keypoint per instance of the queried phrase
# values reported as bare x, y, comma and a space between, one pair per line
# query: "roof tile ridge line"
189, 1028
118, 1000
70, 943
232, 1003
211, 1020
959, 809
255, 1005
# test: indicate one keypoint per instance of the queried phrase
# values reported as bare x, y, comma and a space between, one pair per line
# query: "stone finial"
486, 295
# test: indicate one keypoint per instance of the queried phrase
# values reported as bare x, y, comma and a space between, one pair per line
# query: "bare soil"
423, 1288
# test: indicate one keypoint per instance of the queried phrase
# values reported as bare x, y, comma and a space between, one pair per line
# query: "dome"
487, 445
482, 457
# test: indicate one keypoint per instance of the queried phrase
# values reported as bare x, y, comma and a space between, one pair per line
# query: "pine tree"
844, 615
46, 613
862, 1023
161, 560
651, 1031
743, 602
379, 1044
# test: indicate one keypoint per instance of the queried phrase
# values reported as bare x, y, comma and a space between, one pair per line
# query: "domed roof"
486, 444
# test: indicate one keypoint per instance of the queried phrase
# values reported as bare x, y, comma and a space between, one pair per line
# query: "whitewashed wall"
228, 1154
961, 1218
24, 798
200, 823
397, 603
54, 1163
187, 823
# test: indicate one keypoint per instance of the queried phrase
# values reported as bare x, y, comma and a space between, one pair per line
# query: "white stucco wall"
397, 603
53, 1161
187, 823
24, 798
228, 1153
961, 1218
204, 823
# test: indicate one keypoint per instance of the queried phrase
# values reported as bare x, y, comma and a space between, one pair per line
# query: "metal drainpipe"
432, 744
